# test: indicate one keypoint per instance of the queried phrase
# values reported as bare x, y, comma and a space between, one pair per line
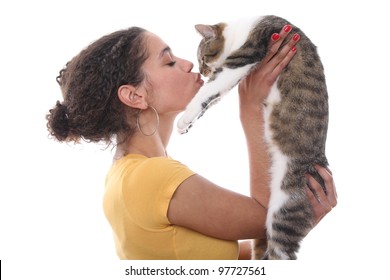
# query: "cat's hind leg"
289, 219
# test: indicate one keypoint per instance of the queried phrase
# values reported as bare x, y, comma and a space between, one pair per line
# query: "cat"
295, 114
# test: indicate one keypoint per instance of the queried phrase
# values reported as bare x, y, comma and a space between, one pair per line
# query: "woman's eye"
171, 63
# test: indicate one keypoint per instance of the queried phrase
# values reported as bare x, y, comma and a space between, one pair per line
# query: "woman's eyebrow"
167, 49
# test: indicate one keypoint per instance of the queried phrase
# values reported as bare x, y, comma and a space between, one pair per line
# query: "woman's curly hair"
91, 109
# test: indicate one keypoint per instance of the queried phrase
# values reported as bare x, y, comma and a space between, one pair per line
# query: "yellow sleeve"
148, 190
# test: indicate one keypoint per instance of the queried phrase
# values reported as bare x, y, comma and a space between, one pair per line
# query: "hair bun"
58, 122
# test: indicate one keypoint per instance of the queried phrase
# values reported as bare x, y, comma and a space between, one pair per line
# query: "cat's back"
303, 79
306, 61
300, 120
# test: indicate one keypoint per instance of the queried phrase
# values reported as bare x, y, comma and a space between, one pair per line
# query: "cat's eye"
211, 54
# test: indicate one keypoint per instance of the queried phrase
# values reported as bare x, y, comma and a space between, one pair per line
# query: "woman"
127, 88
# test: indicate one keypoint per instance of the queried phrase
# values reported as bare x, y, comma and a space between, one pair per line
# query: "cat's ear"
207, 31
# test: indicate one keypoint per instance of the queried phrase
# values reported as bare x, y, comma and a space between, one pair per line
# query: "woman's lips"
199, 80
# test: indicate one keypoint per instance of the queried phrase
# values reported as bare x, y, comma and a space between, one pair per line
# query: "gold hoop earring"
157, 121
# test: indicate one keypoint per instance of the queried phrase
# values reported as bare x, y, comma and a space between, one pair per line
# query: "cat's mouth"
206, 72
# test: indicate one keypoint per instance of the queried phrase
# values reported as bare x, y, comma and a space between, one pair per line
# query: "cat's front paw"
183, 127
184, 124
187, 120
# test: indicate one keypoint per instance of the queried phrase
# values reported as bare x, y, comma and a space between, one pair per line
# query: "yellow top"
136, 201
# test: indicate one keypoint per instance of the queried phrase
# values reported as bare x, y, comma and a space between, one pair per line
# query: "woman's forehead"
157, 47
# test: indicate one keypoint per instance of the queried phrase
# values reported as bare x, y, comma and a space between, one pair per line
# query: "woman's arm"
200, 205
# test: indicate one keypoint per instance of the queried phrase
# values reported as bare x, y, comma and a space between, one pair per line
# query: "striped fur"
296, 119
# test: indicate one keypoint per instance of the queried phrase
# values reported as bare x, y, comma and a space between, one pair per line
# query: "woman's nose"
187, 66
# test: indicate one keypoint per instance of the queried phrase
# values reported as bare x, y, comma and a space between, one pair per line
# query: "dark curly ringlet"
91, 109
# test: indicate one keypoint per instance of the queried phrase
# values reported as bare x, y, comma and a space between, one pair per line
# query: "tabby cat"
296, 119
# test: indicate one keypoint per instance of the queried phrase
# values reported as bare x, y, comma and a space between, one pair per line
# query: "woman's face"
172, 84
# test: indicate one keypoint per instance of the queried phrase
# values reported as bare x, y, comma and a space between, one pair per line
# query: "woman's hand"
321, 202
256, 87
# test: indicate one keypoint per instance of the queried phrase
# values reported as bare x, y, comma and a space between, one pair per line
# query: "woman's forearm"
253, 125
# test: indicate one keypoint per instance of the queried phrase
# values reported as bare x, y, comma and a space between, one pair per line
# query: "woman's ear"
129, 96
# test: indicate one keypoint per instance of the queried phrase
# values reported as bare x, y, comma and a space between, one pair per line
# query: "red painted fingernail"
287, 28
296, 37
275, 37
294, 49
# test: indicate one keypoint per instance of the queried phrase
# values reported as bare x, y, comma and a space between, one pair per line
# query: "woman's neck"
150, 146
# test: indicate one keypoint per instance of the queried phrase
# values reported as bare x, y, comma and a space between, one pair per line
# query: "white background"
51, 218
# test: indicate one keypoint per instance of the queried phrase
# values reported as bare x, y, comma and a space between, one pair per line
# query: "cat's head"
210, 47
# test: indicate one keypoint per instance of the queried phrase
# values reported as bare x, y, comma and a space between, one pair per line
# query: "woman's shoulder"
147, 186
143, 168
141, 161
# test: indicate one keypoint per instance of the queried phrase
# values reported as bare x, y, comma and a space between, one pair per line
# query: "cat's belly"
272, 99
279, 161
278, 197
